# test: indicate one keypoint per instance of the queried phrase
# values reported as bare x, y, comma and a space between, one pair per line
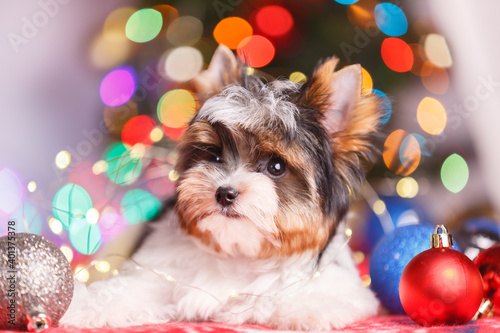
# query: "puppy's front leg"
124, 300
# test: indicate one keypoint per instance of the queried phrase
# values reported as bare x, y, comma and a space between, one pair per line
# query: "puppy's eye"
215, 158
276, 167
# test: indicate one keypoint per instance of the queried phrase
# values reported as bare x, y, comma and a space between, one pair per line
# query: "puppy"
267, 171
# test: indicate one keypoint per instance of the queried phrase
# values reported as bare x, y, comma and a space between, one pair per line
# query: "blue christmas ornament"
389, 258
399, 212
477, 234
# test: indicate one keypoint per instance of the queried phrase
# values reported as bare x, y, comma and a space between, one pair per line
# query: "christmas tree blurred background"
95, 95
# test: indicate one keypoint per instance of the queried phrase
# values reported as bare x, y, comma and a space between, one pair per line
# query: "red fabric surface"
400, 324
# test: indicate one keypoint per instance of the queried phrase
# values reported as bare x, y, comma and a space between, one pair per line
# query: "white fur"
280, 292
256, 204
231, 107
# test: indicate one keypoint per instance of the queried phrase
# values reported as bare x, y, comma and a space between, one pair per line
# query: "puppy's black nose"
226, 195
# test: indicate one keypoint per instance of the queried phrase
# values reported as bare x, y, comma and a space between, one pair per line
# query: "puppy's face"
262, 173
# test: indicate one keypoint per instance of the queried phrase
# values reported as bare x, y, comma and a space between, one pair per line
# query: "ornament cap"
441, 238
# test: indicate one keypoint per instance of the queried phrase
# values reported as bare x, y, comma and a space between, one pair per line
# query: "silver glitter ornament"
36, 282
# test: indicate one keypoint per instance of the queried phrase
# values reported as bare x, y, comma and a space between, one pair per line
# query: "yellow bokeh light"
32, 186
156, 134
250, 71
68, 252
102, 266
92, 216
431, 116
81, 274
55, 225
379, 207
298, 77
367, 84
407, 187
176, 108
436, 50
366, 280
99, 167
173, 175
63, 159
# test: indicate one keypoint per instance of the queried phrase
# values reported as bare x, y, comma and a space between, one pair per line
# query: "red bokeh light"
397, 54
256, 51
274, 20
138, 130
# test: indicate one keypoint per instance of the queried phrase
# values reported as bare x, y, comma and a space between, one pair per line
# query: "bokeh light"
27, 219
102, 266
138, 130
346, 2
256, 51
454, 173
361, 14
143, 25
123, 169
168, 14
298, 77
116, 117
56, 226
70, 203
185, 30
111, 225
274, 20
32, 186
84, 236
99, 167
183, 63
401, 153
431, 116
63, 159
407, 187
173, 133
385, 105
68, 252
367, 81
176, 108
139, 206
112, 47
436, 50
118, 86
92, 216
435, 79
11, 191
397, 54
231, 31
156, 134
390, 19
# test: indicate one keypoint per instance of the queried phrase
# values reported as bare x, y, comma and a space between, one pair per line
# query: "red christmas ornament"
488, 262
441, 286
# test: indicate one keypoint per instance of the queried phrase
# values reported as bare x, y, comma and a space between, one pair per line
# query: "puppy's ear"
224, 69
349, 117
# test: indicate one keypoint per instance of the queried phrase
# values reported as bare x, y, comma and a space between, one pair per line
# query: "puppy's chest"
196, 270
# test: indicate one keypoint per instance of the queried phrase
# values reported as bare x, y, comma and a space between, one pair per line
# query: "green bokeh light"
123, 169
85, 237
143, 25
71, 202
454, 173
139, 206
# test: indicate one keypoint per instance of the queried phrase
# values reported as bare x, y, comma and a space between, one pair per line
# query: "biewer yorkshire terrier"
267, 172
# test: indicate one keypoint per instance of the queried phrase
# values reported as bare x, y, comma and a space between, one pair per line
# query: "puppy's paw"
321, 312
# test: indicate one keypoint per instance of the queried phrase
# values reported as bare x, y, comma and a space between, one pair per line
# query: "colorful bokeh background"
95, 95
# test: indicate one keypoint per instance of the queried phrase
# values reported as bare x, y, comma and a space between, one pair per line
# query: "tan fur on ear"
224, 69
349, 117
